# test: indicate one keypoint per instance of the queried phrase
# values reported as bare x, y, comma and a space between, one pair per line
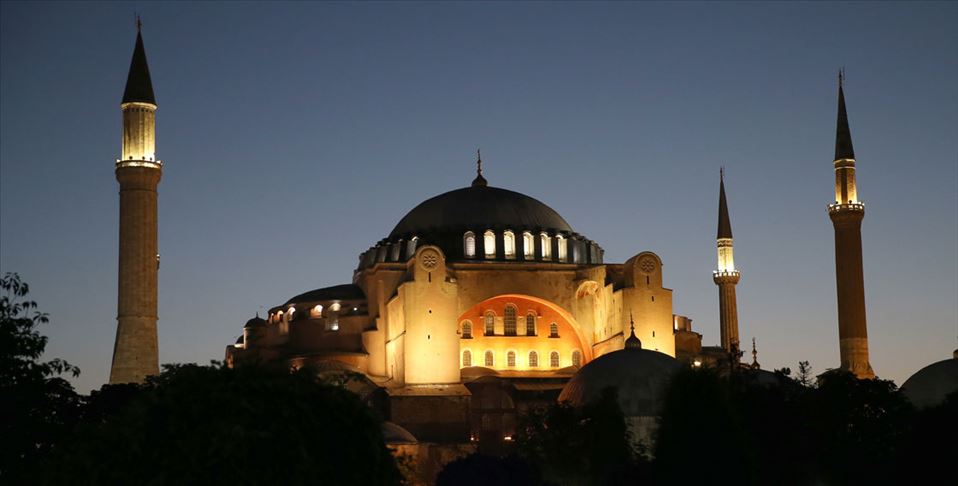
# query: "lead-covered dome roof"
639, 376
479, 208
930, 385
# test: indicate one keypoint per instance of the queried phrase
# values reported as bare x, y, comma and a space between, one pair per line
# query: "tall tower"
726, 277
138, 171
846, 214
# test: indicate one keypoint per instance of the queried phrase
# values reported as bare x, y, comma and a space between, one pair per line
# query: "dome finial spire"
479, 181
755, 364
632, 342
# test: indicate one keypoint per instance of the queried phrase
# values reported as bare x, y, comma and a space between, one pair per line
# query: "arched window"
553, 330
509, 321
289, 314
466, 358
467, 330
316, 311
546, 242
489, 359
509, 244
531, 324
469, 243
511, 359
533, 359
528, 245
411, 246
490, 323
554, 359
576, 358
560, 240
489, 244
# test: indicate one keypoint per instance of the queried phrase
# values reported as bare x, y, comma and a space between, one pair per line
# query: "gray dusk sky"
296, 135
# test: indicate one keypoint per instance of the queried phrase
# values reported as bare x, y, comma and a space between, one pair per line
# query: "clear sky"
296, 135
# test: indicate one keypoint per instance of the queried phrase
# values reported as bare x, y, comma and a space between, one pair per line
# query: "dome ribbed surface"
478, 208
931, 384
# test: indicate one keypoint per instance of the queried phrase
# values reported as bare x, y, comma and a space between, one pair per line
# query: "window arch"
490, 321
467, 330
528, 245
466, 358
511, 359
531, 324
490, 359
469, 243
553, 330
561, 243
509, 320
316, 311
554, 359
546, 243
576, 358
489, 244
533, 359
509, 244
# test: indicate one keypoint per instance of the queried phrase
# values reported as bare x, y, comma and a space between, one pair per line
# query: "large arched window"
490, 321
489, 244
553, 330
490, 360
531, 324
554, 359
546, 243
533, 359
466, 358
511, 359
561, 243
509, 321
509, 244
467, 330
528, 245
469, 243
576, 358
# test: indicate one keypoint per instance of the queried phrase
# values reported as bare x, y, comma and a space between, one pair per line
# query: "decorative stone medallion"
647, 264
429, 259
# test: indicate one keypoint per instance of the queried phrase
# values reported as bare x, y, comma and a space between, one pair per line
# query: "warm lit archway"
511, 342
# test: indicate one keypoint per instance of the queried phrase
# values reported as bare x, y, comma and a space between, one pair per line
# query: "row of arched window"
509, 245
315, 312
510, 324
489, 359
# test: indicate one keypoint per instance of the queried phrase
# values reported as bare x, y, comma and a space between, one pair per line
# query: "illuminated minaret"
847, 213
138, 171
726, 277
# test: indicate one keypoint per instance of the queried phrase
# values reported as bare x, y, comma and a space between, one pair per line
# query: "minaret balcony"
856, 207
725, 273
153, 164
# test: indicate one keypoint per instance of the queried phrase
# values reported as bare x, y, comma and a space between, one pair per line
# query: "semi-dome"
931, 384
639, 376
478, 208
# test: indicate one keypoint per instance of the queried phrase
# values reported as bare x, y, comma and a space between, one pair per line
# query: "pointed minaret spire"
479, 181
139, 86
843, 136
724, 224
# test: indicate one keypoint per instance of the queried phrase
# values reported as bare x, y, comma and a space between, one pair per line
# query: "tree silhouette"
38, 406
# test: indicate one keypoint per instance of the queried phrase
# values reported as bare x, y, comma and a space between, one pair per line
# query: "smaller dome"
639, 376
255, 322
931, 384
394, 434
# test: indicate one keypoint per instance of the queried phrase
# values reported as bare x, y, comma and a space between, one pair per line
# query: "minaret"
846, 214
138, 172
726, 277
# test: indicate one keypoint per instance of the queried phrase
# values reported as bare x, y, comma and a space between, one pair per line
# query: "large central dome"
480, 207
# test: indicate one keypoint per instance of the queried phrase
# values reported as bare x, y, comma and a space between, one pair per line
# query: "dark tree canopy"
482, 470
216, 425
37, 405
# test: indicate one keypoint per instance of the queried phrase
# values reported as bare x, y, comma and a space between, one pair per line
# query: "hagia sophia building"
481, 303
